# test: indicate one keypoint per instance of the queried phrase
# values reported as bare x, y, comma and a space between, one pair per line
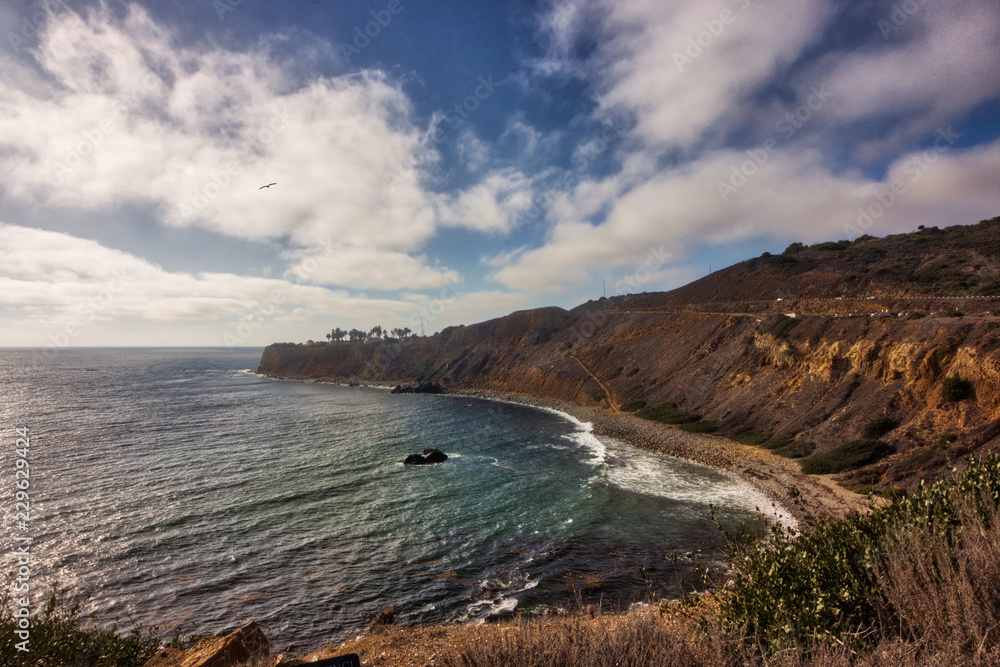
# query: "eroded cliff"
861, 331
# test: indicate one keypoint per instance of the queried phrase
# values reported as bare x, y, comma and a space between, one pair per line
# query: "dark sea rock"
434, 456
429, 456
421, 388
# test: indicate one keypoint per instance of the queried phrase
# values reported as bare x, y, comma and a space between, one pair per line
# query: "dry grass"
649, 639
639, 638
945, 588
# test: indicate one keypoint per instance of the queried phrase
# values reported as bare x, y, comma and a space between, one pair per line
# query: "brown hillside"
803, 349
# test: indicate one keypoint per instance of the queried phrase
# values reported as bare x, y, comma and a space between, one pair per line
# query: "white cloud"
687, 73
453, 306
129, 115
473, 151
368, 268
56, 278
492, 205
938, 62
792, 196
677, 68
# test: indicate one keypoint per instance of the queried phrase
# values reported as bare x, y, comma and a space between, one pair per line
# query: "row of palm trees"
376, 333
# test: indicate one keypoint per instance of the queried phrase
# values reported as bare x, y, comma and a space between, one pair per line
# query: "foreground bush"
58, 638
924, 569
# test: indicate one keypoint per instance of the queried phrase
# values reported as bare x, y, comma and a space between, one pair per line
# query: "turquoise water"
176, 486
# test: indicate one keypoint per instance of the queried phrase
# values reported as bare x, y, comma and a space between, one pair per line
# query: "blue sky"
448, 162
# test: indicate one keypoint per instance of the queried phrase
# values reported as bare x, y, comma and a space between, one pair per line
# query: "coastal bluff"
813, 345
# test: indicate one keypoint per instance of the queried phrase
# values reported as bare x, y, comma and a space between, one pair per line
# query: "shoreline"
774, 476
781, 480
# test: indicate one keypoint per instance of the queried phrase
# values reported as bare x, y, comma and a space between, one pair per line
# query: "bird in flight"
266, 186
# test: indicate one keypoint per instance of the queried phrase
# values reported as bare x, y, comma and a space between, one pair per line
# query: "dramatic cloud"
126, 114
687, 73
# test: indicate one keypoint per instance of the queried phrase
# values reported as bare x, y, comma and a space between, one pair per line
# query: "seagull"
266, 186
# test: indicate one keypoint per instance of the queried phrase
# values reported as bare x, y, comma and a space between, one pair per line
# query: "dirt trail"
607, 392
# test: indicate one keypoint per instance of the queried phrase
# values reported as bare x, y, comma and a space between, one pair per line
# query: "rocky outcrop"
240, 646
429, 456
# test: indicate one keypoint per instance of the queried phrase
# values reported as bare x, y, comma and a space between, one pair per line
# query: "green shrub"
955, 388
565, 346
830, 245
779, 441
632, 372
918, 459
424, 370
667, 413
58, 638
698, 427
945, 439
752, 437
778, 325
615, 373
796, 449
876, 428
848, 456
793, 248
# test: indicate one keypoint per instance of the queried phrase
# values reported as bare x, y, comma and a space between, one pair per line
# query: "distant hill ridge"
878, 358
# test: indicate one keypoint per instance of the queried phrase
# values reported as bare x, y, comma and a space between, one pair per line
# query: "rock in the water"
238, 647
434, 456
429, 456
421, 388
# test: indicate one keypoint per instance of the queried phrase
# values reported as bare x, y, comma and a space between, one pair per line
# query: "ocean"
177, 487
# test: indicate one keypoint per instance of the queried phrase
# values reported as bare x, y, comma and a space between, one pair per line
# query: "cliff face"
843, 360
